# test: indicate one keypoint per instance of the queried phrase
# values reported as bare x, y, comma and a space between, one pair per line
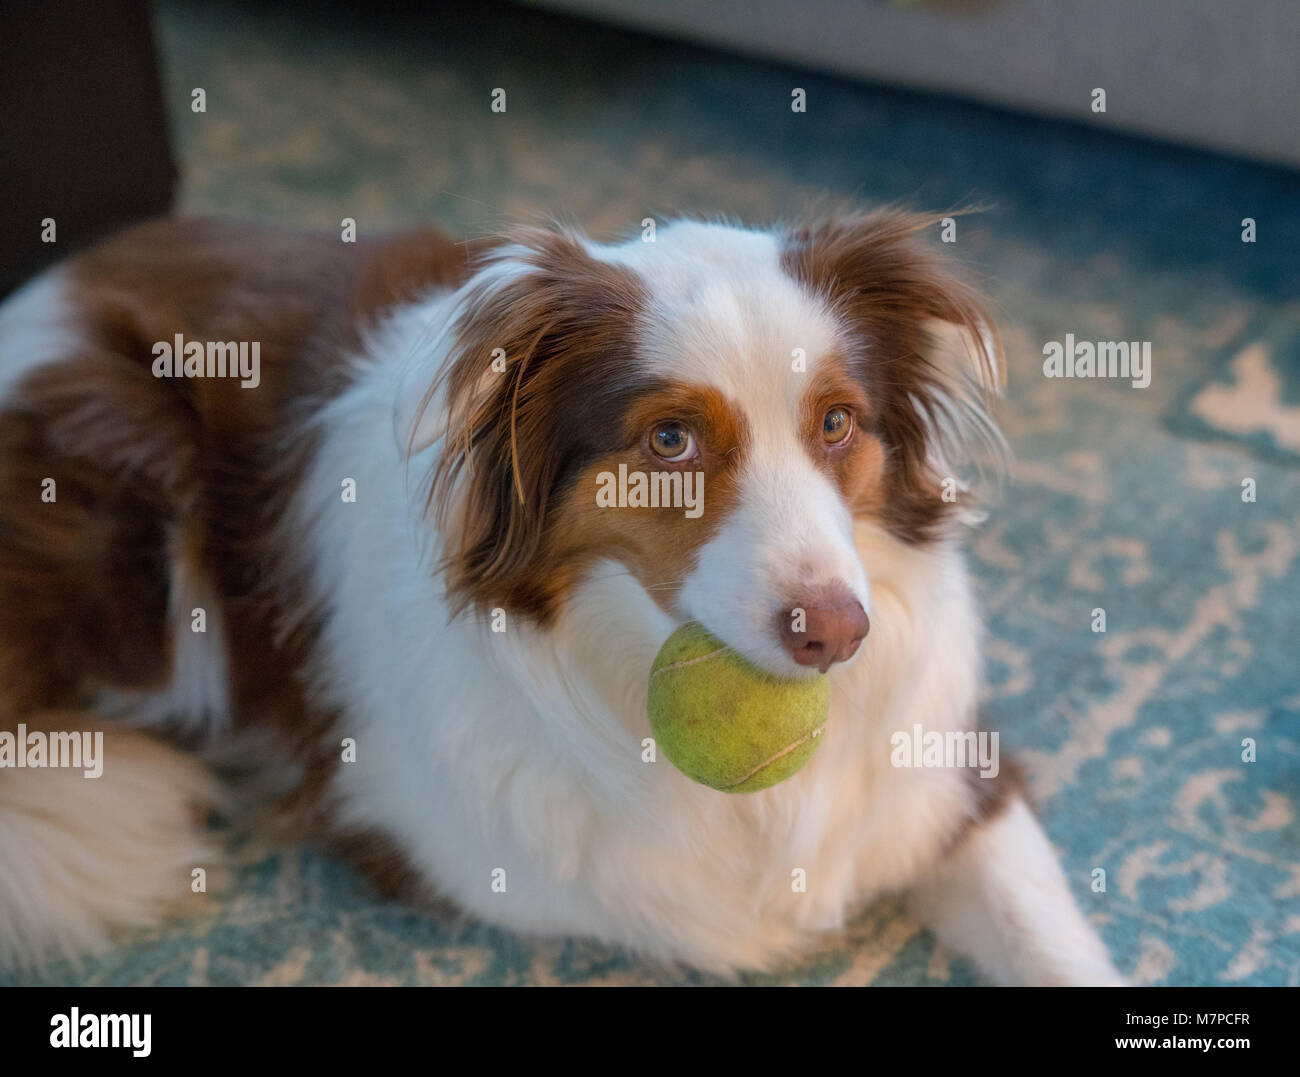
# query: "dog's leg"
1000, 897
81, 856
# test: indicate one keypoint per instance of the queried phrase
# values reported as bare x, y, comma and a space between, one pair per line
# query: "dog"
345, 494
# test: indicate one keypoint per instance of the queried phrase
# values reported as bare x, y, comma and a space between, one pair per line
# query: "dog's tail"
111, 837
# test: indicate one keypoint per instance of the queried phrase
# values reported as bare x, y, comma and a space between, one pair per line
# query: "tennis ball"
726, 723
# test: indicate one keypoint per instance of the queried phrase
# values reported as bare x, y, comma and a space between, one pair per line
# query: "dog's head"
712, 409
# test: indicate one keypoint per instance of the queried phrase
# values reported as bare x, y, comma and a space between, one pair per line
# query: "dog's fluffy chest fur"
527, 746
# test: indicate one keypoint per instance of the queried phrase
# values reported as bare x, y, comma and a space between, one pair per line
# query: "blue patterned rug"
1128, 500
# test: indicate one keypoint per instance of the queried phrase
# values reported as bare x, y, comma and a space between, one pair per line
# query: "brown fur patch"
858, 466
992, 796
520, 438
887, 287
146, 467
84, 578
659, 545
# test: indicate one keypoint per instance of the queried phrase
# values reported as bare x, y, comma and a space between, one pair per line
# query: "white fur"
522, 750
1003, 900
83, 856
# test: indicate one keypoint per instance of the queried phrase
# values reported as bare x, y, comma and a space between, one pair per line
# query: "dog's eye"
837, 426
672, 441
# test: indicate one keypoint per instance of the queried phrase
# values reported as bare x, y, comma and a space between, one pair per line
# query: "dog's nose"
824, 628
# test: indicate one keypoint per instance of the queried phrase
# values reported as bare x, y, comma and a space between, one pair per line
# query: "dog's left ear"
922, 345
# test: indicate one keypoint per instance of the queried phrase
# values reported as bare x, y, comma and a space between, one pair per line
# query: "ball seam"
779, 755
688, 662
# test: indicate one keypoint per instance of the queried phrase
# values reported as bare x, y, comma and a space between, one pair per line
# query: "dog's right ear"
540, 350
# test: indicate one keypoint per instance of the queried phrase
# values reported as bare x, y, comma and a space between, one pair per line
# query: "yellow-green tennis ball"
726, 723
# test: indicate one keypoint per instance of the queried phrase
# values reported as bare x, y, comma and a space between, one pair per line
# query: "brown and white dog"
386, 547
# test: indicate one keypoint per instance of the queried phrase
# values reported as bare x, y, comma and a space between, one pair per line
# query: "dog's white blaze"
788, 533
723, 313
